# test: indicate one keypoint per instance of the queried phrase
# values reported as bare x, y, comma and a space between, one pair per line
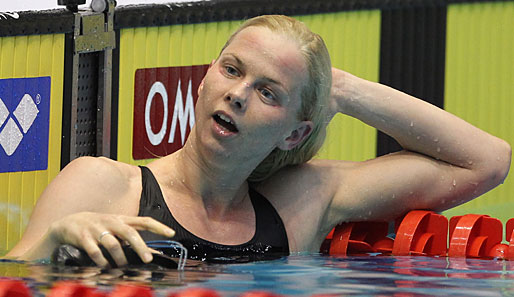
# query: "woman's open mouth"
225, 122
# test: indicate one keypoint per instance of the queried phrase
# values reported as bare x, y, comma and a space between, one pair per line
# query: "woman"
264, 104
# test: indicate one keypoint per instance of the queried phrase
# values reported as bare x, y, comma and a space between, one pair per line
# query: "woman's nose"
238, 95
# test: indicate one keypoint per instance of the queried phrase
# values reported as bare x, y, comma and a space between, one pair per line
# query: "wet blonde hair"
314, 95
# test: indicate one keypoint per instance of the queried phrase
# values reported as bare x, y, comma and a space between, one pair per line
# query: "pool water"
297, 275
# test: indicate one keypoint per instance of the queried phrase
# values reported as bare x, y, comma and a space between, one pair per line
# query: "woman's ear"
302, 131
200, 87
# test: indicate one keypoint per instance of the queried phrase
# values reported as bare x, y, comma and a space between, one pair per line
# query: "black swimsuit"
269, 241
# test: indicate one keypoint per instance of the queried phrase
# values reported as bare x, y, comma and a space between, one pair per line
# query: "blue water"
299, 275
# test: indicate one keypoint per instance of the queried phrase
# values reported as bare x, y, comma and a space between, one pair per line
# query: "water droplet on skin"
412, 124
436, 139
438, 149
470, 162
454, 183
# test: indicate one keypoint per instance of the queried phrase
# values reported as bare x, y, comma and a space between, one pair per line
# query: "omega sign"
164, 100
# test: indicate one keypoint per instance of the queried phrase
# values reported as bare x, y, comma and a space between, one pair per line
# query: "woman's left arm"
446, 161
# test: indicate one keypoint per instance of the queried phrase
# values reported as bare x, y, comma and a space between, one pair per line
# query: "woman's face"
250, 97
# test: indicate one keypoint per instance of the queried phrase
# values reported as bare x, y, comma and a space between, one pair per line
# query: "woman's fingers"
91, 247
113, 246
130, 235
149, 224
124, 228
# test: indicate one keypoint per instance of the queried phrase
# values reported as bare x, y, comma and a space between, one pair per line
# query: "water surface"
297, 275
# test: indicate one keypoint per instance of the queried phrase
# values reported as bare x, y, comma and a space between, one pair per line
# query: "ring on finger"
103, 234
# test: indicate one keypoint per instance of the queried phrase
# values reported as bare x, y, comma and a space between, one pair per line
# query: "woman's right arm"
90, 197
445, 161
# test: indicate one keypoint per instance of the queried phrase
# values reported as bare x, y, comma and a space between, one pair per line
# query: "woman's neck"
218, 183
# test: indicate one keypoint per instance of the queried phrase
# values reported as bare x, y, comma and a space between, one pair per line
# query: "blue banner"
24, 123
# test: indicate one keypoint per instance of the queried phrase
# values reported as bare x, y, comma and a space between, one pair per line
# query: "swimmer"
245, 180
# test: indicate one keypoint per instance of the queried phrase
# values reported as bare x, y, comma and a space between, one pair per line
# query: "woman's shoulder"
101, 168
316, 177
309, 185
315, 172
100, 177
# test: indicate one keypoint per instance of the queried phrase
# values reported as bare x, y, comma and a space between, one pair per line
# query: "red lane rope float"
73, 289
13, 288
474, 235
195, 292
425, 233
325, 245
421, 233
360, 237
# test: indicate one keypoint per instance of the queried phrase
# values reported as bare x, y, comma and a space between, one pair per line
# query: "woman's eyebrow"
239, 61
265, 78
270, 80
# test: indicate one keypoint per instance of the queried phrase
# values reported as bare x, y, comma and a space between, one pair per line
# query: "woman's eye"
267, 94
231, 70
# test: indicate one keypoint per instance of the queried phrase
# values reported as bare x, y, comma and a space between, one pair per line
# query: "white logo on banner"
180, 112
25, 113
13, 15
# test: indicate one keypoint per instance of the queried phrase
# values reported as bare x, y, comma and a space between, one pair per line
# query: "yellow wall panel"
25, 57
163, 46
199, 45
480, 83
